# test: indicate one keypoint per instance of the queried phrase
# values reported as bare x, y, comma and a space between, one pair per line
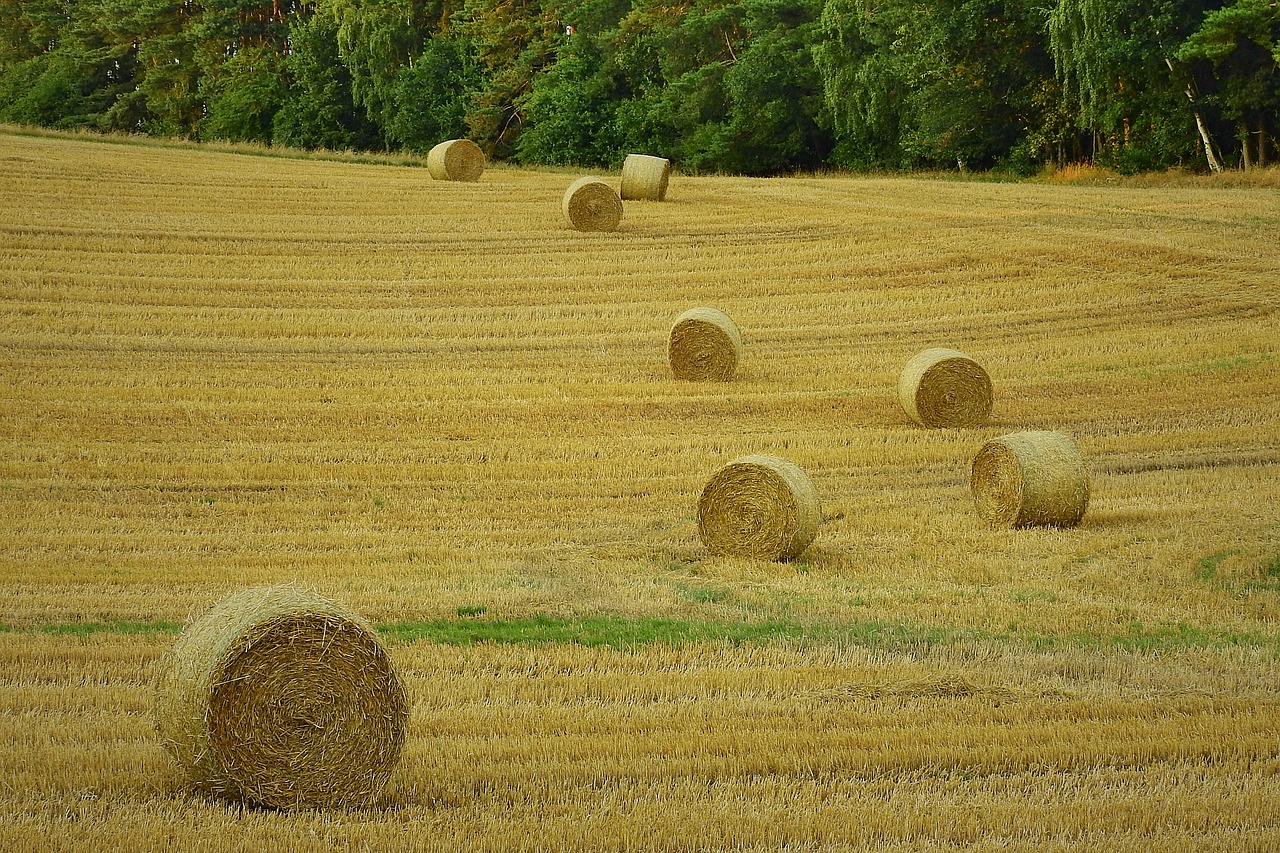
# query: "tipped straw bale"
945, 388
1030, 478
645, 178
759, 506
456, 160
278, 697
704, 345
591, 205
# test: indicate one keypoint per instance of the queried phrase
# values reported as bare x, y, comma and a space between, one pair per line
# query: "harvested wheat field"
441, 405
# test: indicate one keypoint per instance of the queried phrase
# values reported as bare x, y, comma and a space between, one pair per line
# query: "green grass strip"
622, 633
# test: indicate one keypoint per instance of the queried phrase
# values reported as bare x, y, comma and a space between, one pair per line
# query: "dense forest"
739, 86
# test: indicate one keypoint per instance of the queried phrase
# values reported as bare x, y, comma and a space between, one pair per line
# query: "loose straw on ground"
704, 345
645, 178
759, 507
1030, 478
278, 697
591, 205
945, 388
456, 160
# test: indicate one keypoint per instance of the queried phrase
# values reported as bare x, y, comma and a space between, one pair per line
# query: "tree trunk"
1245, 153
1263, 142
1214, 165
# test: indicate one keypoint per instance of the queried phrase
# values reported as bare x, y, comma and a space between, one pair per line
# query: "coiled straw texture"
456, 160
645, 178
704, 345
759, 507
945, 388
591, 205
278, 697
1030, 478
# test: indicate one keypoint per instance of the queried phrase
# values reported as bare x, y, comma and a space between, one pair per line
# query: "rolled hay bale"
945, 388
456, 160
1030, 478
704, 345
591, 205
278, 697
760, 507
645, 178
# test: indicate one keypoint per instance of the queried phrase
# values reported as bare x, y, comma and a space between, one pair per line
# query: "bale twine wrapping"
760, 507
645, 178
945, 388
456, 160
704, 345
591, 205
278, 697
1030, 478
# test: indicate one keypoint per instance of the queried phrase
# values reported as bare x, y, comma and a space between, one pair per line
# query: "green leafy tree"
514, 40
430, 98
1117, 62
242, 99
865, 81
318, 109
1240, 44
934, 82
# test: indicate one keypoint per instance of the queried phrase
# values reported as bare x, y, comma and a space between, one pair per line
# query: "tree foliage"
742, 86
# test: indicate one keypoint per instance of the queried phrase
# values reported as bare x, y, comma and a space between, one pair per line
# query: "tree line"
738, 86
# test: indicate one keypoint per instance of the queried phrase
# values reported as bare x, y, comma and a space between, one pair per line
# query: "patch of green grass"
628, 634
706, 594
598, 631
88, 629
1208, 567
1033, 595
1269, 581
472, 610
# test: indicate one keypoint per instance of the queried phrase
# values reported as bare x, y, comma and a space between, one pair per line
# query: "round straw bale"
645, 178
1030, 478
759, 506
591, 205
456, 160
945, 388
278, 697
705, 344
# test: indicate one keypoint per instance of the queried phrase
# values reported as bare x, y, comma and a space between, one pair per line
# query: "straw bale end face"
592, 205
1033, 478
277, 697
645, 178
456, 160
704, 345
941, 388
761, 507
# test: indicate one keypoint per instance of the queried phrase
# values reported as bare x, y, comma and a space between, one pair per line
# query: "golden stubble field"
441, 406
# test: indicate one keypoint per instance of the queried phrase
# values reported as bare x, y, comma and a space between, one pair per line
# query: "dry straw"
945, 388
761, 507
280, 698
456, 160
591, 205
1030, 478
704, 345
645, 178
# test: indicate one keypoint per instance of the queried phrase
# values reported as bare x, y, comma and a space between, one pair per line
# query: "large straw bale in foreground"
759, 506
592, 205
1030, 478
704, 345
945, 388
645, 178
280, 698
456, 160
